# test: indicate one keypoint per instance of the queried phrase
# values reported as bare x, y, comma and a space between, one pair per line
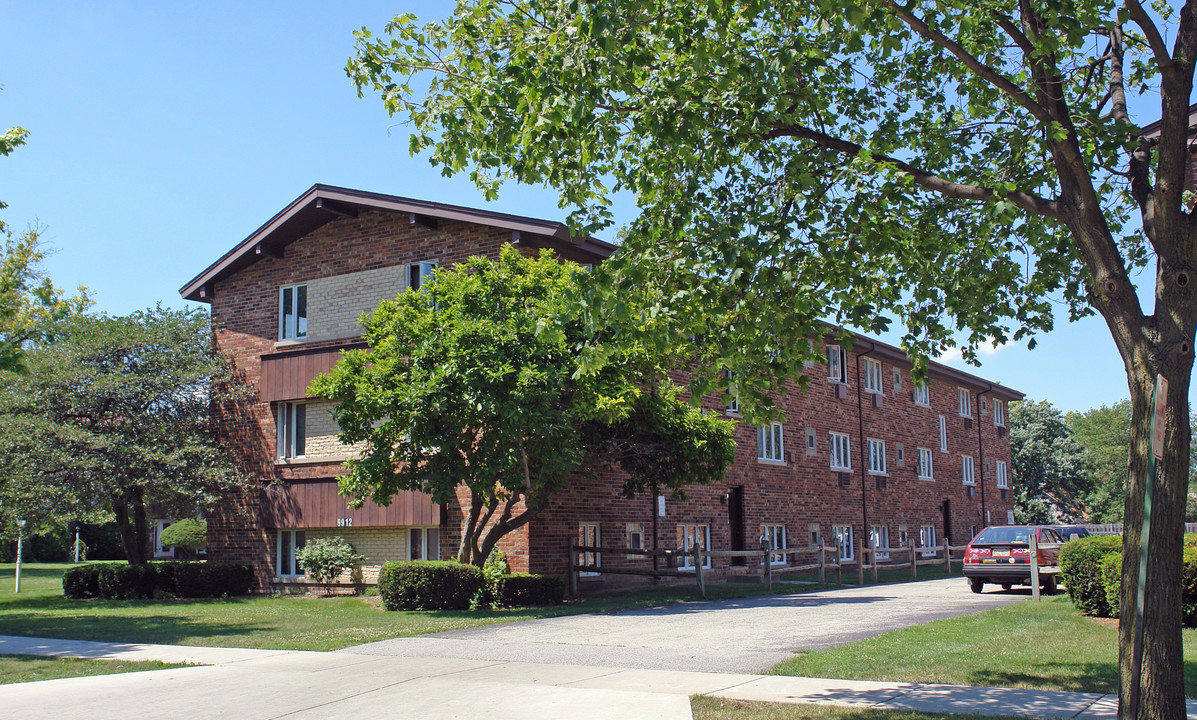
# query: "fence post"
1034, 566
860, 560
698, 562
947, 557
822, 564
839, 562
875, 563
768, 565
914, 563
573, 570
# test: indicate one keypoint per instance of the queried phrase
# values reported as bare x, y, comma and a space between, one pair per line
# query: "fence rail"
691, 562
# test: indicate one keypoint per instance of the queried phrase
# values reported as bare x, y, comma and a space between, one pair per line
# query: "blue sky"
161, 134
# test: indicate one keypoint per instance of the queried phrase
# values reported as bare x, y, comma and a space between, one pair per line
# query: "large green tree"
1050, 475
475, 382
111, 415
954, 164
27, 297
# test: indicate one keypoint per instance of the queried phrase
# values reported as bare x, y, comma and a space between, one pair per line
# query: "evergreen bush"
521, 589
428, 585
1080, 569
187, 534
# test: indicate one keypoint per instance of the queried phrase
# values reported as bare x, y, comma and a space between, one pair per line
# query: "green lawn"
27, 668
1047, 645
710, 708
280, 622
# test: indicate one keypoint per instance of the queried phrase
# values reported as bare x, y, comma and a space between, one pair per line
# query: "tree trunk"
134, 538
1161, 693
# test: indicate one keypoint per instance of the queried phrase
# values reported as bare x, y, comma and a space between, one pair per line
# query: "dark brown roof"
324, 203
1152, 130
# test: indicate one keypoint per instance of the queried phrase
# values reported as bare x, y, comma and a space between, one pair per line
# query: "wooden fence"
822, 559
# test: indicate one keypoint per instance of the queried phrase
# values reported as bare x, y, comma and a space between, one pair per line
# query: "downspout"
981, 455
864, 456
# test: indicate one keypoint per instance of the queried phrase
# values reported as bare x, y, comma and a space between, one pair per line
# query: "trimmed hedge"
1188, 587
428, 585
1111, 579
520, 589
118, 581
1080, 569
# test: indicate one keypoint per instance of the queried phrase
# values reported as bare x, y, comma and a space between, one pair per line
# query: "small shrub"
1080, 569
82, 582
1111, 580
324, 559
493, 570
187, 534
128, 582
428, 585
523, 589
1188, 587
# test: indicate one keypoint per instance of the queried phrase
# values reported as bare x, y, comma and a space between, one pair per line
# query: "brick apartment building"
864, 454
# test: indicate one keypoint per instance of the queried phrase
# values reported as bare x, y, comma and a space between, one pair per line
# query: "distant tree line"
1073, 466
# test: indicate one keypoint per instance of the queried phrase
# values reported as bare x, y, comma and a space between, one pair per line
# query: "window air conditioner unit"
968, 423
878, 400
841, 391
845, 479
880, 482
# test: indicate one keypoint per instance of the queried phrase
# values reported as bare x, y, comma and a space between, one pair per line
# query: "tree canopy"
475, 382
956, 166
1049, 468
112, 416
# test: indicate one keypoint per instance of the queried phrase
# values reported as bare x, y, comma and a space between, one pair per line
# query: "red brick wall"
801, 491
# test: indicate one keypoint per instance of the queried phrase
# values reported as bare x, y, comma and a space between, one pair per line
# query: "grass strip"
711, 708
1046, 646
30, 668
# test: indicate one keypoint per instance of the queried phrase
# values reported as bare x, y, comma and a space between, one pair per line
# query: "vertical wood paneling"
318, 505
287, 377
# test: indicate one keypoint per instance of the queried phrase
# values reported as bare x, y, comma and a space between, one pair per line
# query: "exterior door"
735, 521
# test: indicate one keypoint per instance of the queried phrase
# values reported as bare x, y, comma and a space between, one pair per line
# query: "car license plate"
1001, 553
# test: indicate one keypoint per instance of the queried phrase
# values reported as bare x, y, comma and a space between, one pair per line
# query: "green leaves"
493, 378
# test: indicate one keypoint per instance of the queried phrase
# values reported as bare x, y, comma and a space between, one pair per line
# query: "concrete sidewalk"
251, 684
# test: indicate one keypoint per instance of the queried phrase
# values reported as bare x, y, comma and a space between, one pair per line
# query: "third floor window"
293, 312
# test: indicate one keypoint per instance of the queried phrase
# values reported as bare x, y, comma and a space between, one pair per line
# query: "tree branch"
983, 71
1152, 33
1027, 201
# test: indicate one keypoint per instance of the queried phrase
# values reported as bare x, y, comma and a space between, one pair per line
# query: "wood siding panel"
287, 376
318, 505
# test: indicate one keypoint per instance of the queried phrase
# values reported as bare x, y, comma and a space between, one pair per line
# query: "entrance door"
735, 521
947, 521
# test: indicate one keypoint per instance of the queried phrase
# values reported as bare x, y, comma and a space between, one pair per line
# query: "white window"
922, 394
841, 452
635, 536
877, 457
419, 273
588, 536
290, 542
292, 428
687, 535
872, 376
926, 469
843, 536
966, 470
424, 544
733, 405
879, 538
293, 312
1009, 517
768, 443
815, 537
837, 369
927, 539
943, 434
1001, 474
999, 412
965, 400
897, 381
902, 537
775, 535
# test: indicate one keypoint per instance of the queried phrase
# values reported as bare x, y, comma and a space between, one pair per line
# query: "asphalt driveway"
746, 635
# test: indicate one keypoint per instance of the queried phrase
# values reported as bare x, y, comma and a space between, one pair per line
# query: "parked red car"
1002, 555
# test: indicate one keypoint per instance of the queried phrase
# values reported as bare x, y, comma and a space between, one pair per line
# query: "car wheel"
976, 585
1006, 586
1049, 586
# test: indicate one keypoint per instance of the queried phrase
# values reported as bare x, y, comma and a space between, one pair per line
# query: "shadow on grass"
158, 629
1094, 677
